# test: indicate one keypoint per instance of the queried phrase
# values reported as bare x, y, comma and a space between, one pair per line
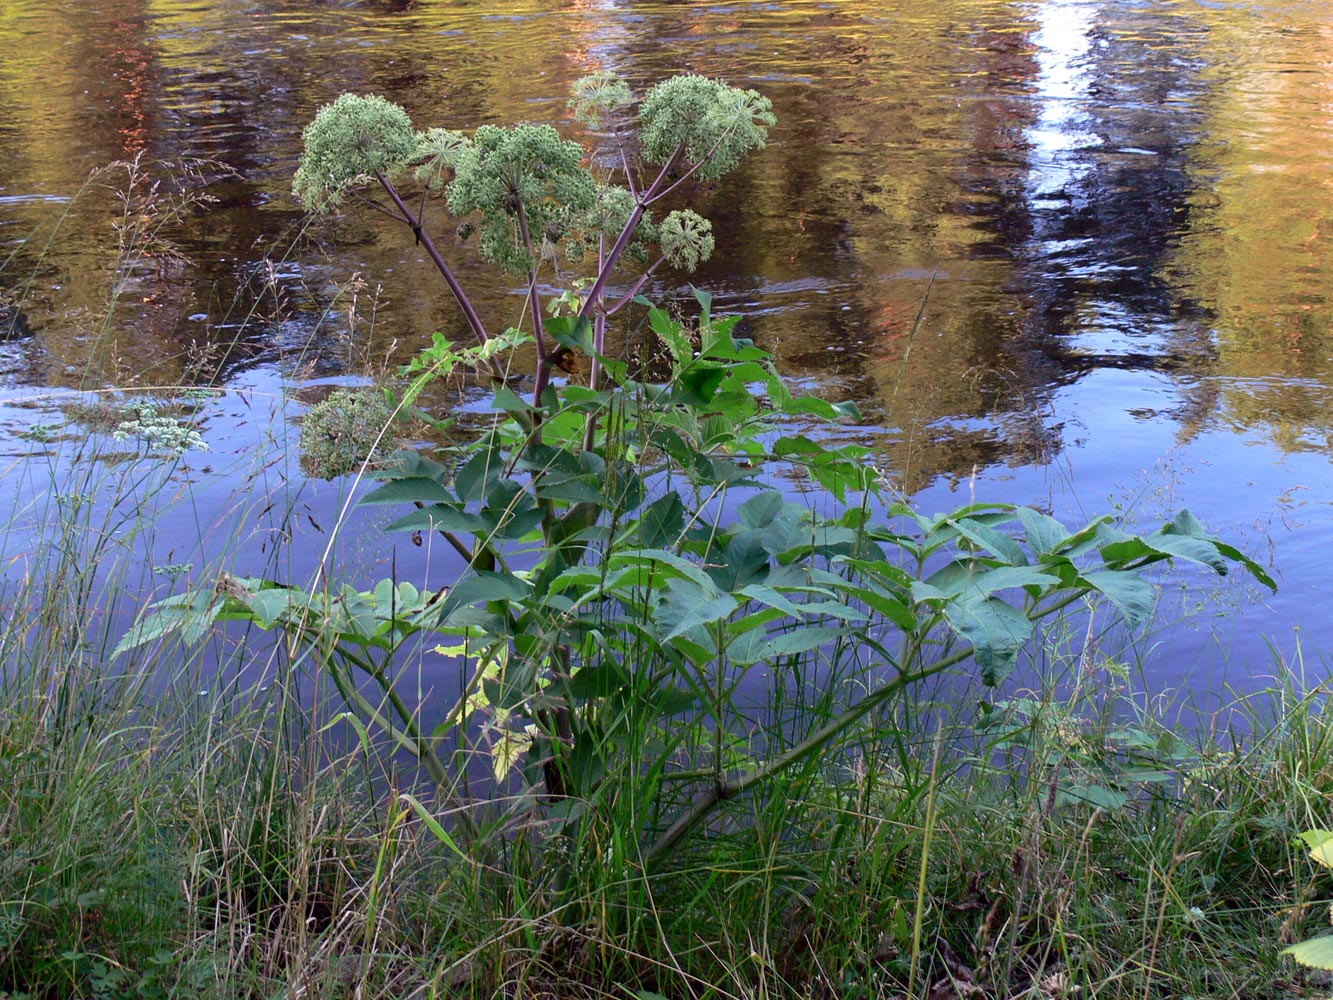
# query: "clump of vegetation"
351, 429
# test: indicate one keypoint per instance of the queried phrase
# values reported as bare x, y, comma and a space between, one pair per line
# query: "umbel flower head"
604, 220
687, 239
345, 145
715, 124
527, 172
598, 96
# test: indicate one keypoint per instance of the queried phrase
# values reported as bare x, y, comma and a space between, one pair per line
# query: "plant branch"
655, 195
372, 203
624, 160
722, 791
423, 237
637, 287
538, 326
594, 296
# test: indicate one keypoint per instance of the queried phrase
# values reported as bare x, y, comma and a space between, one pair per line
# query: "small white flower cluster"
159, 432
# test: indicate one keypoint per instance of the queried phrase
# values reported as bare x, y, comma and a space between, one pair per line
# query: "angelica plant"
531, 195
616, 597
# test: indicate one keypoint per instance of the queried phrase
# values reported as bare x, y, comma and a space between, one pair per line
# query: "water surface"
1062, 252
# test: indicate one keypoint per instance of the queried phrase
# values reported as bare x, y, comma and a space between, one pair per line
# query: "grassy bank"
151, 852
156, 841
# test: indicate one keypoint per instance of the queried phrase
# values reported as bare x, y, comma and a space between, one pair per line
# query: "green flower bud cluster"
347, 143
527, 168
440, 150
598, 96
687, 239
507, 179
605, 219
716, 124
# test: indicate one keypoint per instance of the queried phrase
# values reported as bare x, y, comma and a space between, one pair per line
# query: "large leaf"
1044, 534
987, 538
473, 481
511, 402
744, 561
668, 563
887, 604
510, 511
760, 510
1132, 595
483, 587
187, 615
1255, 570
822, 408
662, 521
697, 385
441, 517
269, 605
684, 606
1317, 953
571, 331
969, 581
996, 632
809, 609
1193, 549
1185, 523
802, 640
409, 489
749, 647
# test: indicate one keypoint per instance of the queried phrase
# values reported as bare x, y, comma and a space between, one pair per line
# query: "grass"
1065, 842
166, 834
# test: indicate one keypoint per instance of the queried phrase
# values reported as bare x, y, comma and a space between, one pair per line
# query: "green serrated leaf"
682, 606
508, 400
760, 510
991, 581
571, 331
1043, 533
483, 587
803, 640
749, 647
1185, 523
1317, 953
473, 481
408, 489
662, 521
270, 605
697, 385
878, 599
744, 561
987, 538
441, 517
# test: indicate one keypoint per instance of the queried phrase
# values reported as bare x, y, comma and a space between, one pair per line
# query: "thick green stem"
721, 791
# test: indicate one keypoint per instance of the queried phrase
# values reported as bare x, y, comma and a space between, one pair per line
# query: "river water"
1071, 253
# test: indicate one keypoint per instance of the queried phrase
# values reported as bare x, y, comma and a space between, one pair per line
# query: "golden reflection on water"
969, 209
